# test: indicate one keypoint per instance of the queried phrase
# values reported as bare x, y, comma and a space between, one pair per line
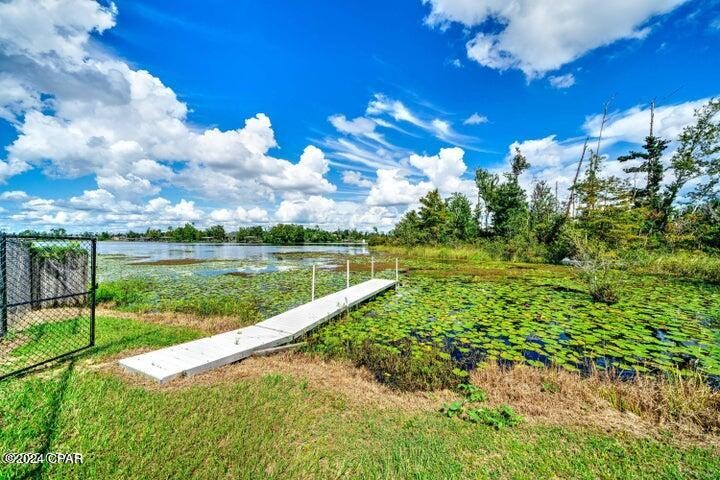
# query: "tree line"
658, 204
281, 234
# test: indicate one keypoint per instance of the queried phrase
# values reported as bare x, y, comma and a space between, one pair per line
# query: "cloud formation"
539, 36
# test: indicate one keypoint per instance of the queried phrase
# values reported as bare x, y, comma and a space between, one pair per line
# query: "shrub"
603, 292
408, 367
599, 276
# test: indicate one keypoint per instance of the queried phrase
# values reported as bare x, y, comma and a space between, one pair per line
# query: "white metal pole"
347, 273
313, 283
397, 274
372, 267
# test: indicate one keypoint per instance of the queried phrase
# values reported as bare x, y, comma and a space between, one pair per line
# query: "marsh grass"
692, 265
468, 253
407, 368
140, 295
671, 398
683, 403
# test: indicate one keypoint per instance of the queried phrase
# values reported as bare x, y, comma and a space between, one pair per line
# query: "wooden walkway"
211, 352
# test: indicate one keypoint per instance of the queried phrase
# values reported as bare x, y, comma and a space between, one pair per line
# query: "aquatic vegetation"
228, 288
450, 316
656, 326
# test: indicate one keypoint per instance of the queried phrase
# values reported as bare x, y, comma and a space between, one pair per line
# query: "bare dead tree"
571, 198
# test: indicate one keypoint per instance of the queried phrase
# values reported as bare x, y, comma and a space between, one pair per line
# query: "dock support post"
397, 274
347, 273
312, 295
372, 267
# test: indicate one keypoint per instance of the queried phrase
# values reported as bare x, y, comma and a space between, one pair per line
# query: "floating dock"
212, 352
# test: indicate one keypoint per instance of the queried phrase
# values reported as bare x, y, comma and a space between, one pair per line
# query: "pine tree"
651, 165
519, 164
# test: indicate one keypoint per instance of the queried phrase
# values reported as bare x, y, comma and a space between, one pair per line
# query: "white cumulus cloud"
538, 36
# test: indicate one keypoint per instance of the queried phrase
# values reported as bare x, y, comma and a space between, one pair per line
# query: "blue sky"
133, 114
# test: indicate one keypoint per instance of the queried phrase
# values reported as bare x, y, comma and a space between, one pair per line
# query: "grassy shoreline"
271, 419
322, 413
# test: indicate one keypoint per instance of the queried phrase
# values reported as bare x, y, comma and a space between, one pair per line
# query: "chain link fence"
47, 296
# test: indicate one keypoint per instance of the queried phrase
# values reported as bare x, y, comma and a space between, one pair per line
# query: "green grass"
696, 265
277, 426
464, 252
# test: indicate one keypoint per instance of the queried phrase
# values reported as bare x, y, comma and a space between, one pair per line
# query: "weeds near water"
408, 367
672, 398
468, 409
696, 265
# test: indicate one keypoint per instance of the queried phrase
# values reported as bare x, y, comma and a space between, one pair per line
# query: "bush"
600, 280
408, 367
565, 245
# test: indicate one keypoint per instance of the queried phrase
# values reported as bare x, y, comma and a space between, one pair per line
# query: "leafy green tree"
186, 233
153, 234
407, 230
544, 212
461, 223
216, 233
590, 190
285, 234
249, 234
509, 207
433, 216
698, 154
510, 214
487, 193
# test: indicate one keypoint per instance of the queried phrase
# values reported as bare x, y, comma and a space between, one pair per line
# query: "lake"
152, 251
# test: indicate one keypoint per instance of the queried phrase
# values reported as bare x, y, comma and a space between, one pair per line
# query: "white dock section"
211, 352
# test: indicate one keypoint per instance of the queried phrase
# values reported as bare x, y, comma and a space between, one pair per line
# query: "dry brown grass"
205, 324
647, 406
356, 385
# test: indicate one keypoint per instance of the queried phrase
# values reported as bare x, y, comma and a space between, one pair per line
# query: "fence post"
313, 284
397, 274
93, 288
3, 273
372, 267
347, 274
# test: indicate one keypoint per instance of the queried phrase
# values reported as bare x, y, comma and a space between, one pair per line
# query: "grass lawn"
275, 424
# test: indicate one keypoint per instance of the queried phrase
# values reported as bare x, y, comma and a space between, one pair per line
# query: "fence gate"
47, 298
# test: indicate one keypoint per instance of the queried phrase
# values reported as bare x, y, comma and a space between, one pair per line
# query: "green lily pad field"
537, 314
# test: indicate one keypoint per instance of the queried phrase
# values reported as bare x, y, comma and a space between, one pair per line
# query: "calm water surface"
221, 251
